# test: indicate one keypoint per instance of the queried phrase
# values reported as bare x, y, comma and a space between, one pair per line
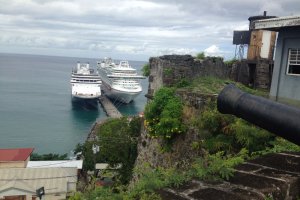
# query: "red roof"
15, 154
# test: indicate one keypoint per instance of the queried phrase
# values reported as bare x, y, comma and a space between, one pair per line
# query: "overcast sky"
129, 29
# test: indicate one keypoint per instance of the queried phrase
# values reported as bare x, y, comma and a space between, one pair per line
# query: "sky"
129, 29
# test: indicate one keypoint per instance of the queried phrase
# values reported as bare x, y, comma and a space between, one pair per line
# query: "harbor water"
36, 108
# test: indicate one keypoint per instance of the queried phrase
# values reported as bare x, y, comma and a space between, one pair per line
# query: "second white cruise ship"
120, 81
85, 82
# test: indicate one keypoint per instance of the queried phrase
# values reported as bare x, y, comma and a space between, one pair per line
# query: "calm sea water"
36, 108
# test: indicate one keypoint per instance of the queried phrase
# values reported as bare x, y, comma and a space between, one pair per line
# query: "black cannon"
280, 119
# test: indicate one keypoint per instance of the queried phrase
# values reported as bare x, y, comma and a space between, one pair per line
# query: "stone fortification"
274, 176
170, 69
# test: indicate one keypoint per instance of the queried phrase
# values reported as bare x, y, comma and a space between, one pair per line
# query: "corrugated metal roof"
56, 163
54, 180
102, 166
15, 154
278, 23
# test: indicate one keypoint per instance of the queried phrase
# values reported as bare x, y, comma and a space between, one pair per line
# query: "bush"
215, 58
217, 166
146, 70
230, 134
200, 56
117, 144
229, 63
163, 115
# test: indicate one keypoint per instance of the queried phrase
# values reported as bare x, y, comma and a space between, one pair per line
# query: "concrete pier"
109, 107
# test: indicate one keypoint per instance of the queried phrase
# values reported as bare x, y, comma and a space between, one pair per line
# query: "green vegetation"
230, 62
230, 134
50, 156
146, 70
200, 56
212, 85
117, 144
224, 140
215, 58
184, 82
163, 115
210, 167
168, 71
217, 166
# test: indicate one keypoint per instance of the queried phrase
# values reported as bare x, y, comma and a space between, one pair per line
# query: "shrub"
117, 144
229, 63
163, 115
230, 134
146, 70
183, 83
217, 166
200, 56
215, 58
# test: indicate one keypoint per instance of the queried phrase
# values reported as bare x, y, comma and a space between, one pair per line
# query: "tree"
200, 55
146, 70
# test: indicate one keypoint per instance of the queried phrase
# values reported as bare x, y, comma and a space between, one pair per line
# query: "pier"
109, 107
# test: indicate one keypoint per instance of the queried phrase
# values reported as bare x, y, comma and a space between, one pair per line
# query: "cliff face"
170, 69
166, 71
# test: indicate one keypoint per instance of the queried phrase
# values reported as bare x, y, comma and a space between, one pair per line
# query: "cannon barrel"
280, 119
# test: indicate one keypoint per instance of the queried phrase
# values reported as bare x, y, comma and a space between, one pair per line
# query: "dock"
109, 108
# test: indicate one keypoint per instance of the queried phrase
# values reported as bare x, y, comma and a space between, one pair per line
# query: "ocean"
36, 108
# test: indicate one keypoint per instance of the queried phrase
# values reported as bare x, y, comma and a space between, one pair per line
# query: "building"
56, 163
256, 70
285, 86
22, 183
17, 158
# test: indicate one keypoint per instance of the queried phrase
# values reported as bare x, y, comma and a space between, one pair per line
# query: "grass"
213, 85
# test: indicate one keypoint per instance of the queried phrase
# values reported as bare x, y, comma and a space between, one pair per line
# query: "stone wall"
170, 69
256, 74
150, 150
166, 71
273, 176
194, 99
263, 74
181, 153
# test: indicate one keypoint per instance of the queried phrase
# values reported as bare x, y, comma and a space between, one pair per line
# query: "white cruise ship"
120, 81
85, 82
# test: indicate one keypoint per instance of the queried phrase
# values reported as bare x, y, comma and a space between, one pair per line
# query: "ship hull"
84, 103
119, 95
86, 91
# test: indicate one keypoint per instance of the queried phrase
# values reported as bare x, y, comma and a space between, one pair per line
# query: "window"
293, 67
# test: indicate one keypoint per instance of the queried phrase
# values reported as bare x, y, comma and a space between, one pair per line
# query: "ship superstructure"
120, 81
85, 82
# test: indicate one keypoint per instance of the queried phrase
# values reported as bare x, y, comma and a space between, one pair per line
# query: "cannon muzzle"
280, 119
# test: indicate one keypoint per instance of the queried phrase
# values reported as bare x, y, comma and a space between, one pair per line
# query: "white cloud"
213, 50
136, 29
